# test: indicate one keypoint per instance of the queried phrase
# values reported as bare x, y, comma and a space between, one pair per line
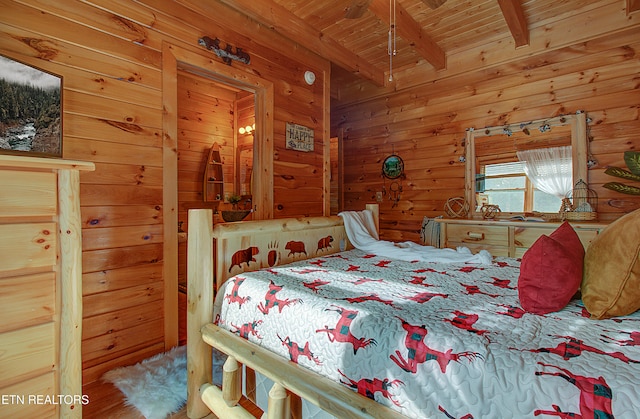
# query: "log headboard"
253, 245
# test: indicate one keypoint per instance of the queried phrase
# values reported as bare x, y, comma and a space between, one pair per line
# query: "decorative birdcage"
584, 203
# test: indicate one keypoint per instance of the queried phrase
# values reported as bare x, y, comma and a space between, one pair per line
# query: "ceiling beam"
289, 25
356, 9
434, 4
514, 15
412, 32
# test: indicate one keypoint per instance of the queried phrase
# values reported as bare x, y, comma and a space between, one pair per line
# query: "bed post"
375, 210
199, 306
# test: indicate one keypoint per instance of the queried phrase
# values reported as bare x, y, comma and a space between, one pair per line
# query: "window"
506, 185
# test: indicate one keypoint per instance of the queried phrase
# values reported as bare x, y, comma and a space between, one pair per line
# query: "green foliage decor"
234, 199
632, 160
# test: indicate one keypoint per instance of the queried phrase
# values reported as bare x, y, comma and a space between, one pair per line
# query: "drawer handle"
475, 236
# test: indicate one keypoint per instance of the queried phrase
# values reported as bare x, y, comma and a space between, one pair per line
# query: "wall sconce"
247, 130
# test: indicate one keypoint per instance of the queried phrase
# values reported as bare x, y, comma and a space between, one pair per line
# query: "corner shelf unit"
213, 177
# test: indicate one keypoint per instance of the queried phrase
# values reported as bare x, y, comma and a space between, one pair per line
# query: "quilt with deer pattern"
438, 339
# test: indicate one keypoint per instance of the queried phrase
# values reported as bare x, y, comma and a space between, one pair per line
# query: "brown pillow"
611, 281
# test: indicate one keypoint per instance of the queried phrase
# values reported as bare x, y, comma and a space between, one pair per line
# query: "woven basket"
556, 216
580, 216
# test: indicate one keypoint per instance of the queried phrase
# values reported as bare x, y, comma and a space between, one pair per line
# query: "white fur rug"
156, 386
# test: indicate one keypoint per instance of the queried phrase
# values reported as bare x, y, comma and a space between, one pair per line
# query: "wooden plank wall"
425, 122
110, 56
205, 119
209, 114
246, 116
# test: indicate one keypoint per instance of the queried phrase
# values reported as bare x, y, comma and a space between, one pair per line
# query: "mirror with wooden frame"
492, 149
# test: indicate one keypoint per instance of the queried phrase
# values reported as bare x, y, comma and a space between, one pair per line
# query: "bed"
360, 334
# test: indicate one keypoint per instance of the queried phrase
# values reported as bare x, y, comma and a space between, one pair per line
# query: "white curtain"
550, 169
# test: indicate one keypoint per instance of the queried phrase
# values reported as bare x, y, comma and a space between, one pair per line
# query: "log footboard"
292, 382
334, 398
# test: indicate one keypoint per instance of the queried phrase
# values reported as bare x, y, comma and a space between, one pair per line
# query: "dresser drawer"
477, 235
28, 194
475, 248
506, 238
524, 237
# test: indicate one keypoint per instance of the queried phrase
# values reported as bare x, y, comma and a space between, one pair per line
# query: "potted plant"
233, 200
235, 214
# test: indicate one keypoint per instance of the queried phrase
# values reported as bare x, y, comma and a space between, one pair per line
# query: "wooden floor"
111, 405
106, 401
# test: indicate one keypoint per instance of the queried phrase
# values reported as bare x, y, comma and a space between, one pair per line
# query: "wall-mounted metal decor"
227, 54
30, 110
393, 168
299, 137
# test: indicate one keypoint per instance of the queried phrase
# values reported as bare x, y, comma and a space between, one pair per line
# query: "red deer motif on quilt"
342, 331
474, 289
369, 387
512, 311
234, 296
595, 396
466, 321
418, 352
450, 416
634, 341
368, 297
271, 300
315, 284
574, 347
295, 350
502, 283
248, 329
425, 297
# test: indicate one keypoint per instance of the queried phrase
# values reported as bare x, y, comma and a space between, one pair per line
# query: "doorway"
219, 118
178, 60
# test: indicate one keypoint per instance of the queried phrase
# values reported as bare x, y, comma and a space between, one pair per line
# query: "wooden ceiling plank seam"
516, 21
412, 32
281, 20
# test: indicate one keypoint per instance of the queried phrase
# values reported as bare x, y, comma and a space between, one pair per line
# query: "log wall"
109, 54
424, 116
209, 115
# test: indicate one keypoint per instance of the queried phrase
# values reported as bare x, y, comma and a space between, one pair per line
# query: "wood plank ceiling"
354, 34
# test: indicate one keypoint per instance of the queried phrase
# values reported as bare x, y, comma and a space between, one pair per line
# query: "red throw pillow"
551, 271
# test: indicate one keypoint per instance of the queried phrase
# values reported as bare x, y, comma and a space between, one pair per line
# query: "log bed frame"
247, 246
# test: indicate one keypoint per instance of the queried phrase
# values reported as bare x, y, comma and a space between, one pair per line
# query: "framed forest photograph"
30, 110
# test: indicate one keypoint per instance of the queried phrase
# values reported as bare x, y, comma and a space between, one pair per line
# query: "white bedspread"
437, 340
362, 234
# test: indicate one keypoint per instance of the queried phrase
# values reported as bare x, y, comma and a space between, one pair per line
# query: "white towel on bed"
362, 234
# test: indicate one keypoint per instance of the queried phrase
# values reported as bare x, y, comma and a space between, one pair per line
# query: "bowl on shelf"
234, 215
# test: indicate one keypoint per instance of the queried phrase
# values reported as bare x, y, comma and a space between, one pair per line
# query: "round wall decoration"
393, 167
